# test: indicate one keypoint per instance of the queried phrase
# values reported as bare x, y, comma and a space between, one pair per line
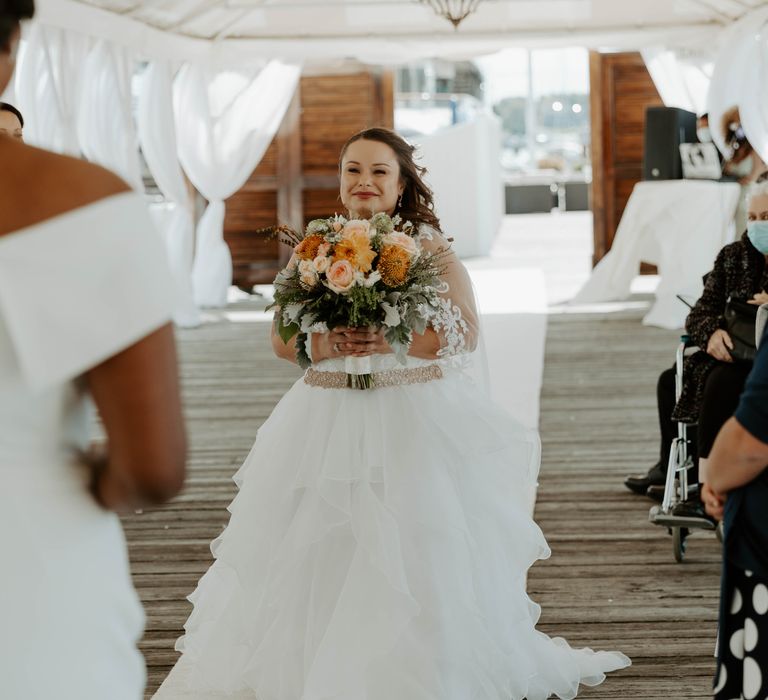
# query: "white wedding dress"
378, 548
74, 290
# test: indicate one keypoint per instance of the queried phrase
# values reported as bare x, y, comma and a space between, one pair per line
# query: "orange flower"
356, 249
394, 263
344, 250
307, 249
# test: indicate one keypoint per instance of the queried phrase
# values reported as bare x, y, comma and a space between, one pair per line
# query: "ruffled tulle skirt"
378, 550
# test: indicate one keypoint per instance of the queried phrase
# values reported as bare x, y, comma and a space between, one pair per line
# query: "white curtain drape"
48, 86
75, 95
681, 77
753, 104
157, 134
225, 121
105, 126
739, 64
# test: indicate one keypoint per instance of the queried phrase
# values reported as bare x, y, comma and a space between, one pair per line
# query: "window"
542, 99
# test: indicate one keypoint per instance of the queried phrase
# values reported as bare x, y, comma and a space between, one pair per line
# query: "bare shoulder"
41, 185
72, 182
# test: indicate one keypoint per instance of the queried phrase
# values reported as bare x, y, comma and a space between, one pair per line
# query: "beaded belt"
392, 377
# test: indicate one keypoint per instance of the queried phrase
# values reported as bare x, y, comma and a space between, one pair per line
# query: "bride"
379, 544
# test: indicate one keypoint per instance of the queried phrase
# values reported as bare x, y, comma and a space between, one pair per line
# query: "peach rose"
402, 240
356, 228
307, 274
336, 226
341, 276
321, 264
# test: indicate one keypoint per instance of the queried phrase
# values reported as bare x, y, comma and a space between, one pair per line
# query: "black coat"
739, 271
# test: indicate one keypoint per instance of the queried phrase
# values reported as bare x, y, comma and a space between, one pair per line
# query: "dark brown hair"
11, 13
416, 205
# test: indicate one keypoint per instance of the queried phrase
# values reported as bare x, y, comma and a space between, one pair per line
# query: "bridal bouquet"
357, 273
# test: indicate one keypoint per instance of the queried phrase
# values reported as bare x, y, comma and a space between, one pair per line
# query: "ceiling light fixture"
455, 11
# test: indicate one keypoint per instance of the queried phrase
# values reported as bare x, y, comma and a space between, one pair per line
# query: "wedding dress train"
378, 550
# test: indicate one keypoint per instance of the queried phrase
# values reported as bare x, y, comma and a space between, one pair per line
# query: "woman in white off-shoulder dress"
379, 543
84, 310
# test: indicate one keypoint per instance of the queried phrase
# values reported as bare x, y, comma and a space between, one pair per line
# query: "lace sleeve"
456, 321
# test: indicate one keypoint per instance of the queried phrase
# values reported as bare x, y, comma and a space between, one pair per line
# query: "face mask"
743, 168
757, 232
703, 134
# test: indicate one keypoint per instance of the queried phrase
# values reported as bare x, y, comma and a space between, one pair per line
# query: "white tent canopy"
387, 32
236, 67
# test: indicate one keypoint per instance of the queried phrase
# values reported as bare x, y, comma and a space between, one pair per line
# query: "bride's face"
370, 179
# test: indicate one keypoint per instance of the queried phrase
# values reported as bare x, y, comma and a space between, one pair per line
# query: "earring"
400, 201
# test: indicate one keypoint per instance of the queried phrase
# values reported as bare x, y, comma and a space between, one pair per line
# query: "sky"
554, 70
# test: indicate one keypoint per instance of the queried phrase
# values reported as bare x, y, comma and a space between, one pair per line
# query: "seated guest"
11, 121
737, 487
703, 133
742, 161
712, 381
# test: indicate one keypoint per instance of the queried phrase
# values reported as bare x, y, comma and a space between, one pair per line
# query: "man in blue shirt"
736, 491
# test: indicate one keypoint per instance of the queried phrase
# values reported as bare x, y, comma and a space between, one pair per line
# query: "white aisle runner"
513, 307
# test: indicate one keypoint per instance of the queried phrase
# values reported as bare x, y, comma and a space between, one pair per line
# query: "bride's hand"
357, 342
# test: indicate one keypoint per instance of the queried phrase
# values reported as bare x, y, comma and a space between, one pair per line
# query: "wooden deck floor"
611, 582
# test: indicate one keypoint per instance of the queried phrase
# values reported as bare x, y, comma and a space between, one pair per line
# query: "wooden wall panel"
625, 183
620, 91
333, 108
250, 209
320, 203
254, 255
253, 207
268, 165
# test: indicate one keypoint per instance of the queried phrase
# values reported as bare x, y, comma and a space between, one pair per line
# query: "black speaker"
665, 129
